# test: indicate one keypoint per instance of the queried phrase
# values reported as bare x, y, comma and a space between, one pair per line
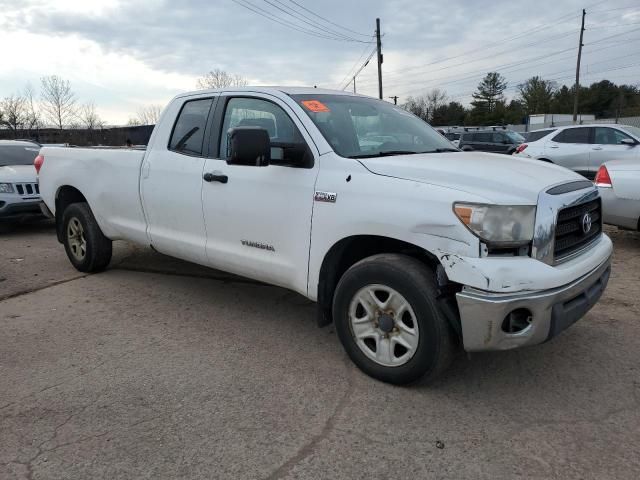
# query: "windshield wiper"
389, 153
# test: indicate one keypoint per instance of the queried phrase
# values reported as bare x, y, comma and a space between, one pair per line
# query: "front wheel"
86, 246
388, 320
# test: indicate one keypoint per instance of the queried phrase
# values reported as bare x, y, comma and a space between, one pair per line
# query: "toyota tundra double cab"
409, 246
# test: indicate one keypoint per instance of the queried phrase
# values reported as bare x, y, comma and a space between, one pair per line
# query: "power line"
364, 64
297, 16
327, 20
527, 61
526, 33
264, 13
355, 65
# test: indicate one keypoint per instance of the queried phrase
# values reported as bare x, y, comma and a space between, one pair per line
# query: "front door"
570, 148
171, 183
606, 146
259, 221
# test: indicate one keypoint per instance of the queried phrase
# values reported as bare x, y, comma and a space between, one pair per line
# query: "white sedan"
583, 148
619, 185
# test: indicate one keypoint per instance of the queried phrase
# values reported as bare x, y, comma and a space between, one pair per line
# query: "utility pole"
354, 84
395, 99
580, 45
380, 58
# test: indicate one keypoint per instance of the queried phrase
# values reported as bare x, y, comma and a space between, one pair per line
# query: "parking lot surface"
161, 369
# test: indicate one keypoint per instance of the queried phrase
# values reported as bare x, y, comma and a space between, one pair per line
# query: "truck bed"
107, 177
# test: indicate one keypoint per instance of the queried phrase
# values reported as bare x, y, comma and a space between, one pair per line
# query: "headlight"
6, 188
499, 224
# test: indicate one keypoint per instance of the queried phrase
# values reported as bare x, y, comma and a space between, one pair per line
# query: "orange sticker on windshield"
315, 106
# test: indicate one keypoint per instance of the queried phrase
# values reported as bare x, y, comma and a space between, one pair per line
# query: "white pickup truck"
408, 245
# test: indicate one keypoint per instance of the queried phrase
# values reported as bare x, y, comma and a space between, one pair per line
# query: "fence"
114, 136
633, 121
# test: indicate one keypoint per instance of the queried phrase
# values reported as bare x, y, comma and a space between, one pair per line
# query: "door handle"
215, 177
597, 148
554, 146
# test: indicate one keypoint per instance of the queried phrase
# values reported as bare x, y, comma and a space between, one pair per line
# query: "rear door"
500, 143
571, 148
606, 146
171, 181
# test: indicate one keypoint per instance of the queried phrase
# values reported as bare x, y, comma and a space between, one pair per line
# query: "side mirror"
249, 146
291, 154
629, 142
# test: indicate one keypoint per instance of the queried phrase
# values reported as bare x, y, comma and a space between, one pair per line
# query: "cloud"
126, 52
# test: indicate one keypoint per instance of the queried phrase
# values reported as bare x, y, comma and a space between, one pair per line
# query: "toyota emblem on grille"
586, 223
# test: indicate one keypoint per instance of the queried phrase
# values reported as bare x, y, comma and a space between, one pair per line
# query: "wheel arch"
350, 250
65, 196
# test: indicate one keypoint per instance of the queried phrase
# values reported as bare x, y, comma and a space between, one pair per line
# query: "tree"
58, 100
435, 99
451, 114
536, 95
14, 113
89, 118
563, 100
33, 119
417, 106
219, 79
148, 115
490, 92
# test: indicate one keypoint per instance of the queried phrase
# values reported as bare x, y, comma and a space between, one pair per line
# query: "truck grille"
28, 189
571, 225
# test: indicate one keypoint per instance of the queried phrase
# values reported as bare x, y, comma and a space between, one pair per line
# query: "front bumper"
482, 313
10, 209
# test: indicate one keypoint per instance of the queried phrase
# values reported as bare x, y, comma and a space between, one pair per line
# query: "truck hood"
501, 179
18, 174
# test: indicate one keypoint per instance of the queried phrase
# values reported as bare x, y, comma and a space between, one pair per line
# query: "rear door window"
188, 132
483, 137
535, 136
573, 135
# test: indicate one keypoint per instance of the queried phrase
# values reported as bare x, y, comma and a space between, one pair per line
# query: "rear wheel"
388, 320
86, 246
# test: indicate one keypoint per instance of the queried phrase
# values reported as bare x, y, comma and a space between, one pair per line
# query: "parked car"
584, 148
495, 140
19, 191
408, 245
619, 184
453, 137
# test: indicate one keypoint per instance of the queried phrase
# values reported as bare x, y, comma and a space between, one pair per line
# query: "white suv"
19, 189
584, 148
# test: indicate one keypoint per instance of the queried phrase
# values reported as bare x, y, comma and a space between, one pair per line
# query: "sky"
124, 55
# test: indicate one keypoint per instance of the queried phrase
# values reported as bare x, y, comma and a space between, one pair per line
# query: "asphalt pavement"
161, 369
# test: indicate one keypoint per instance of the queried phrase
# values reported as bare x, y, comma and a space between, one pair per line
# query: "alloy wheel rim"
76, 239
383, 325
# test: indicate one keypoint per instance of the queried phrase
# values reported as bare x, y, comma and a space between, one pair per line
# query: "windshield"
635, 131
360, 127
18, 155
515, 137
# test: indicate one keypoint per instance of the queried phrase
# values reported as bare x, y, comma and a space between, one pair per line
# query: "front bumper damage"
483, 314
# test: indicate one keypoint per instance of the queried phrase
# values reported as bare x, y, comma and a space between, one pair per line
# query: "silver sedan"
619, 185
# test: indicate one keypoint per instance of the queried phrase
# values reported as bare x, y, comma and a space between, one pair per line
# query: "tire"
404, 278
86, 246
